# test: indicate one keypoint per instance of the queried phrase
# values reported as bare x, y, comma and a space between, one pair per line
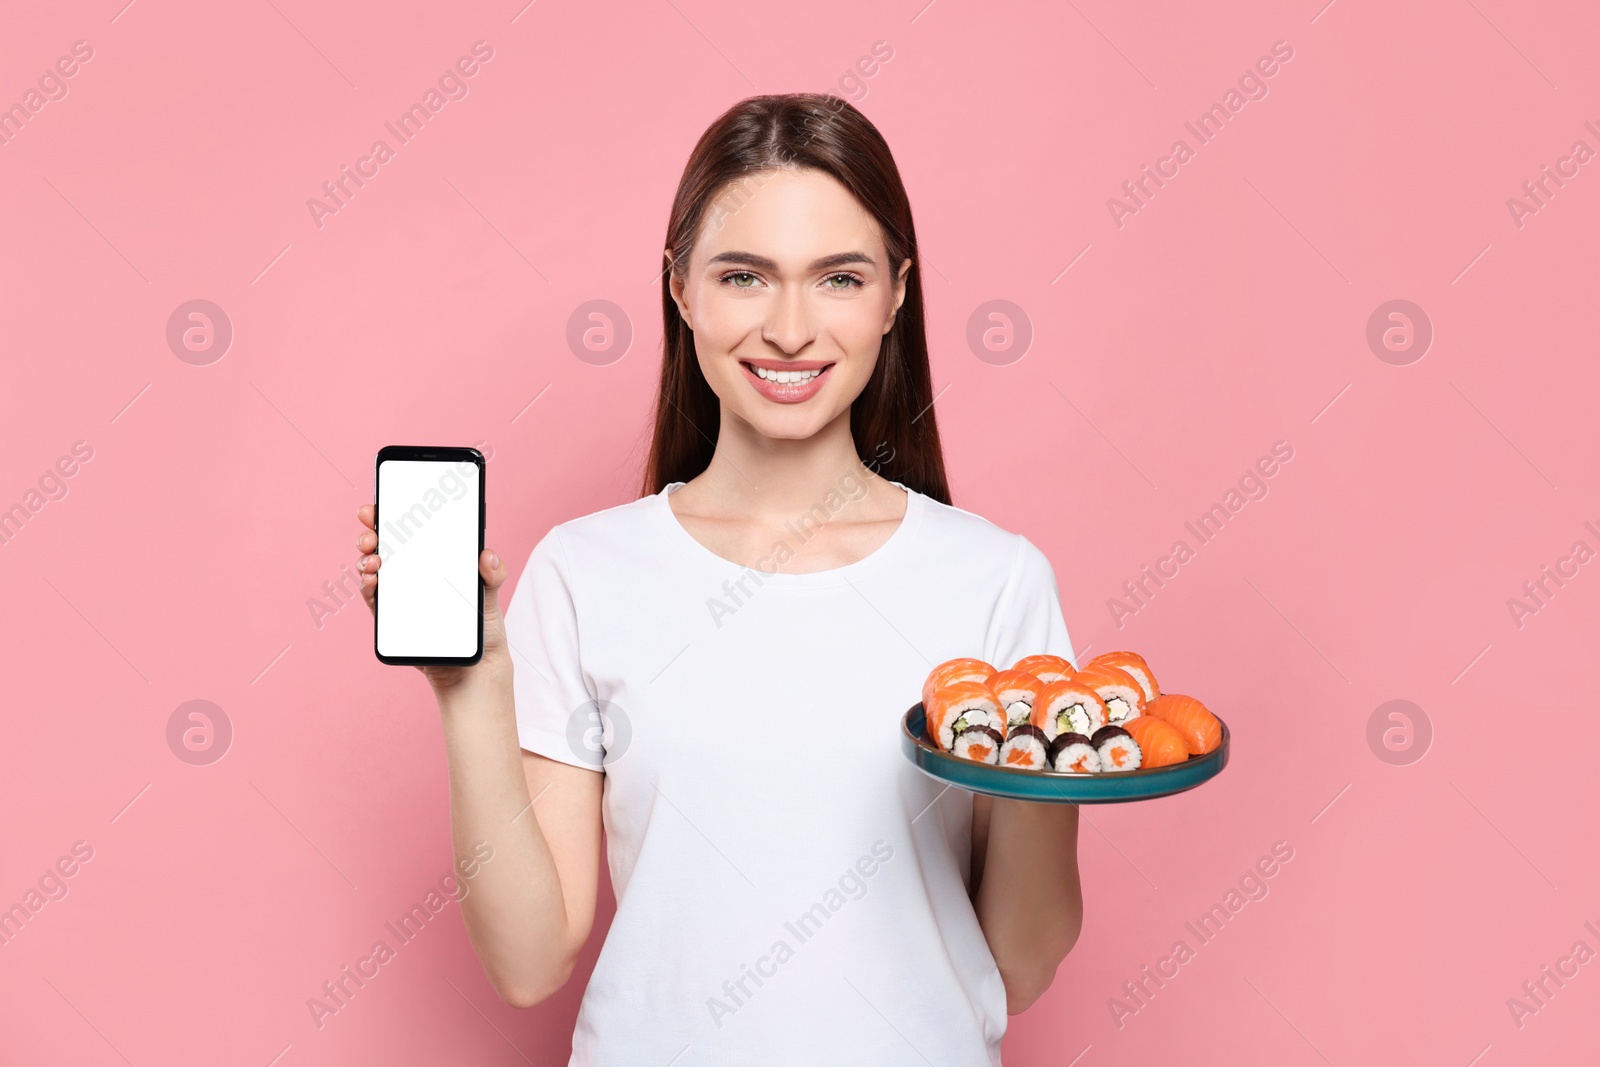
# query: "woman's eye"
743, 279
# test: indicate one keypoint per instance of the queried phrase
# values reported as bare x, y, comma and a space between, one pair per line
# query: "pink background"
1227, 314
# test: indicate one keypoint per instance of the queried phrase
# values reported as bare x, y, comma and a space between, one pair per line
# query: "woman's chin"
787, 422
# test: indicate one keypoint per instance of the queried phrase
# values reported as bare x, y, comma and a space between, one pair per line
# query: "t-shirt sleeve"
548, 682
1028, 617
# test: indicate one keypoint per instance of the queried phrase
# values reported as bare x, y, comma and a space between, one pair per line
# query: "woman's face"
789, 292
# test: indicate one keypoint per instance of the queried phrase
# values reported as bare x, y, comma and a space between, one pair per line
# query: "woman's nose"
788, 325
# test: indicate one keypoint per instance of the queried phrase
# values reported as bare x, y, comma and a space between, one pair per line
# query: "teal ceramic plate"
1055, 787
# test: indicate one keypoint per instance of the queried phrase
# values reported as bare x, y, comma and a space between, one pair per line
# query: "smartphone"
429, 599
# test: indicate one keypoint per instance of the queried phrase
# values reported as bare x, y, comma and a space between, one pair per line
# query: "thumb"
493, 572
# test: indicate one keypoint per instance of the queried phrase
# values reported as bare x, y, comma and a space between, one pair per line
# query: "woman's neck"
768, 477
761, 477
748, 503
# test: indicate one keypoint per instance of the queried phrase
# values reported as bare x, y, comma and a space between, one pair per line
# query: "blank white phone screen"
428, 542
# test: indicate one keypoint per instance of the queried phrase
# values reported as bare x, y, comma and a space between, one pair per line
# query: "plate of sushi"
1044, 730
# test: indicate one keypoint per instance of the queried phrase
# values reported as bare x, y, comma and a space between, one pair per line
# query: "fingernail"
494, 562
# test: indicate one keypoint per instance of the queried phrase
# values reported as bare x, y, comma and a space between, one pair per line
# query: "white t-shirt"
790, 889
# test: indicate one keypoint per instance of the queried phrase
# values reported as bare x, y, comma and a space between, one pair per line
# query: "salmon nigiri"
1045, 668
961, 669
1135, 665
1159, 740
1201, 730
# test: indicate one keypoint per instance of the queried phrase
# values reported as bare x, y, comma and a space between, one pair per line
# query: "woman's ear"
675, 287
899, 293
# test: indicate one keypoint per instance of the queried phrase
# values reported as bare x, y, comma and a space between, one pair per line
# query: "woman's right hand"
490, 569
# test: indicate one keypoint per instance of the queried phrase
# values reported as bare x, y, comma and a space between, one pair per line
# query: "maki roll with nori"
1072, 753
981, 744
1026, 748
1117, 749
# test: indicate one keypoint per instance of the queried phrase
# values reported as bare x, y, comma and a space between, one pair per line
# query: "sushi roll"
1017, 691
981, 744
1201, 730
1135, 665
1073, 753
1117, 749
964, 669
957, 706
1025, 748
1068, 706
1160, 743
1045, 668
1123, 696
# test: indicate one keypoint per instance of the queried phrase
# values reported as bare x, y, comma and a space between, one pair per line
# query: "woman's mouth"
786, 382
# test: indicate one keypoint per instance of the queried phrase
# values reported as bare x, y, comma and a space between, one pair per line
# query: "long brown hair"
892, 421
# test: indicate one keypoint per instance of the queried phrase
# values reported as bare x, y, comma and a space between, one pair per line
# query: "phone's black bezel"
439, 455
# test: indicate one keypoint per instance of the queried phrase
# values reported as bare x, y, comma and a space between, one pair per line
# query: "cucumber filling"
1073, 720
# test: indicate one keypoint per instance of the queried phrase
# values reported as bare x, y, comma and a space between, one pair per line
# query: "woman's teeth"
787, 377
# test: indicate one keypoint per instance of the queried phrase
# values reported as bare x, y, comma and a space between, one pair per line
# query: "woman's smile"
786, 381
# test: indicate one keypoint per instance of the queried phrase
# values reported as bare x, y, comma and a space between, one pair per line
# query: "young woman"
748, 634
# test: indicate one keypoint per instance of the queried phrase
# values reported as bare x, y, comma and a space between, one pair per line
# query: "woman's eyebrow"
750, 259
